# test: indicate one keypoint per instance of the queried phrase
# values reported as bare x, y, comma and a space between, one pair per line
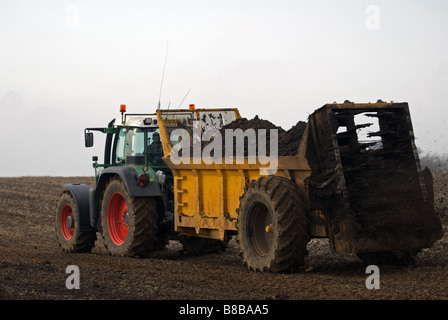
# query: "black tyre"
273, 225
67, 229
129, 224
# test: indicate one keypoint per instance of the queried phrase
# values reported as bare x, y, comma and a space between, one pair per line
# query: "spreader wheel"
273, 225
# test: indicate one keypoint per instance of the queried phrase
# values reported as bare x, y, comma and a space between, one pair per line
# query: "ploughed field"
33, 266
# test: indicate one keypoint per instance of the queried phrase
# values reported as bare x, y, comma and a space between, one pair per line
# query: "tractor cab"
137, 142
132, 142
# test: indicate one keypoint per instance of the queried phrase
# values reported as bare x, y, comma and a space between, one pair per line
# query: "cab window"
155, 150
120, 144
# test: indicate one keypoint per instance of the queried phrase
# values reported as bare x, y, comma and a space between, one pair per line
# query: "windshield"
135, 142
132, 149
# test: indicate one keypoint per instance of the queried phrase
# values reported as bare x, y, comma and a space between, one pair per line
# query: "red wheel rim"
117, 216
66, 229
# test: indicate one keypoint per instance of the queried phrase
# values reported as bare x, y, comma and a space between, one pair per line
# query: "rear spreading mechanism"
370, 185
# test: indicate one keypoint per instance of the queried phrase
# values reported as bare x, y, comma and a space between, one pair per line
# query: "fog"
68, 65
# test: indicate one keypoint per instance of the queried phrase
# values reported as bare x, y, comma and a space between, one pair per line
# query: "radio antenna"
183, 99
163, 74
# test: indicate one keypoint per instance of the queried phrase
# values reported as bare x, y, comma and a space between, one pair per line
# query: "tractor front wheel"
67, 228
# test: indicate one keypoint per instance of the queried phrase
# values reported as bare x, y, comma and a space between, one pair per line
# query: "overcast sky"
67, 65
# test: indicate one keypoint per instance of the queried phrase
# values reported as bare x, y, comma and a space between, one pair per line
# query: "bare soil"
33, 266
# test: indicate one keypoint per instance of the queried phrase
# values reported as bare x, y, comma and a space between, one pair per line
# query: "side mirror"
88, 139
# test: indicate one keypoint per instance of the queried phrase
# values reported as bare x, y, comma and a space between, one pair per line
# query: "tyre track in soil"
32, 265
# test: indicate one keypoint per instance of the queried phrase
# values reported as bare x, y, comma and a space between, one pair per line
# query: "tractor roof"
139, 120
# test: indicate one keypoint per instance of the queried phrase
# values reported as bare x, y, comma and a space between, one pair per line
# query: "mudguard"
80, 193
129, 177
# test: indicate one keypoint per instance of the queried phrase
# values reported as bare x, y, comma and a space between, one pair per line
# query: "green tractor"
132, 203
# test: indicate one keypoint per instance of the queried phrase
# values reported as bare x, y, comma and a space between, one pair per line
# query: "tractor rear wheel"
273, 225
67, 228
129, 224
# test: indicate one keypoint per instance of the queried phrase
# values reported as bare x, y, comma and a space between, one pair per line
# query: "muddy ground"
33, 266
